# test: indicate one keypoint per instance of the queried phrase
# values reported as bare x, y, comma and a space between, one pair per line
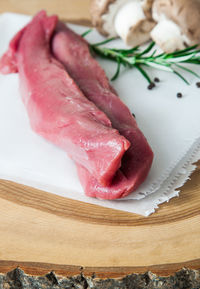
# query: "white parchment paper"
171, 125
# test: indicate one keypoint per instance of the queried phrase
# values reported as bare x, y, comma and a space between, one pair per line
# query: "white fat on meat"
167, 34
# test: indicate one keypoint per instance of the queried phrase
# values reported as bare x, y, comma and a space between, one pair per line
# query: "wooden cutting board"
40, 231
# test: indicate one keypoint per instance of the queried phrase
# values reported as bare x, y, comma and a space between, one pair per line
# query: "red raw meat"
57, 108
73, 51
8, 60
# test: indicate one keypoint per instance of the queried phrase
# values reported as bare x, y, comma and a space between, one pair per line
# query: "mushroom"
129, 19
178, 23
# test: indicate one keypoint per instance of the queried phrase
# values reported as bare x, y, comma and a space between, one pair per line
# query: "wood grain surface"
76, 11
42, 232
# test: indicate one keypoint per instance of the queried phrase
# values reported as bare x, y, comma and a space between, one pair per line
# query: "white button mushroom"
178, 23
129, 19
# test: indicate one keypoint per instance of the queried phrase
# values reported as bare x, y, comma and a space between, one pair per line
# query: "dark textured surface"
17, 279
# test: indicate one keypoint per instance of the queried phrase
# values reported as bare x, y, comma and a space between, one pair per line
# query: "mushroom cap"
101, 8
97, 9
139, 33
147, 8
185, 13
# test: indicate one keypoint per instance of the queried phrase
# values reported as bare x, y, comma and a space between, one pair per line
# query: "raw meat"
57, 108
73, 51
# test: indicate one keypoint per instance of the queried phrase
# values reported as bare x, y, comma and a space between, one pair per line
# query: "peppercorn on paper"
170, 124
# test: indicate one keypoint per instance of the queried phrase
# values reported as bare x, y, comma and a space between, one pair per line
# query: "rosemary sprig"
86, 32
135, 57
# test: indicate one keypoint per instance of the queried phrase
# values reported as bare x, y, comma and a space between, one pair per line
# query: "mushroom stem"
167, 34
131, 23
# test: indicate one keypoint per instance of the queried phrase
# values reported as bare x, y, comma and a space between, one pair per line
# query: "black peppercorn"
198, 84
151, 85
179, 95
156, 79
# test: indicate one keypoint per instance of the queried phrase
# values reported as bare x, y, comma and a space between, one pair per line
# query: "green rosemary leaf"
104, 42
188, 70
154, 52
165, 67
126, 52
117, 71
180, 76
143, 72
182, 58
86, 32
193, 61
151, 45
183, 51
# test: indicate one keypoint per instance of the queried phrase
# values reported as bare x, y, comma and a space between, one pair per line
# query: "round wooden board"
42, 232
